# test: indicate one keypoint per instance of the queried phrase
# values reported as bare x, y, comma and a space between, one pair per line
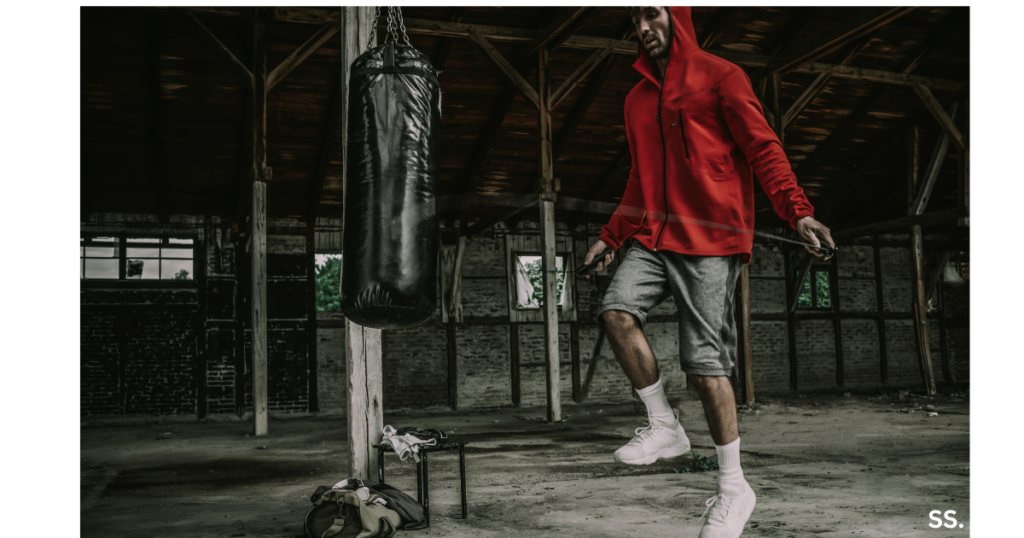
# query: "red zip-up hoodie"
696, 142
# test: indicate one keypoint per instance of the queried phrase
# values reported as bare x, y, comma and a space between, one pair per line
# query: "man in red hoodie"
697, 137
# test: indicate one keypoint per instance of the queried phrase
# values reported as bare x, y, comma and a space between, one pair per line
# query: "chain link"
373, 29
395, 27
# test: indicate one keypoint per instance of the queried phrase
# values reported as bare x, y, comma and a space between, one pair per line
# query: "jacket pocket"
701, 155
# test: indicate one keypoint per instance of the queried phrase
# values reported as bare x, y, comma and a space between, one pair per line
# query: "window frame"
516, 254
812, 279
122, 243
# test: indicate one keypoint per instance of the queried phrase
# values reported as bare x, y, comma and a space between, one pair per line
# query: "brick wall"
416, 366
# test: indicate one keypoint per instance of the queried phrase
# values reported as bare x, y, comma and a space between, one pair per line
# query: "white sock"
659, 412
730, 474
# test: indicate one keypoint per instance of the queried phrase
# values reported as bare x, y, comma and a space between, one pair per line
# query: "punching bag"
389, 278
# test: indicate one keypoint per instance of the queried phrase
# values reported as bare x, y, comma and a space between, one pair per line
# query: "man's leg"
631, 348
719, 406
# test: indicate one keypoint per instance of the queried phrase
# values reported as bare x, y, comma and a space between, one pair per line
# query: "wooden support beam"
963, 168
918, 297
525, 202
784, 39
799, 279
628, 48
888, 226
791, 288
924, 193
821, 81
717, 25
574, 353
513, 75
363, 346
258, 249
592, 367
444, 46
156, 124
218, 49
846, 127
745, 349
833, 40
837, 322
581, 73
777, 114
558, 24
294, 59
945, 121
513, 355
547, 239
883, 352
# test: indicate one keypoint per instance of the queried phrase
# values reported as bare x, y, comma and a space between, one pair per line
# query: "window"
816, 291
136, 258
328, 282
530, 280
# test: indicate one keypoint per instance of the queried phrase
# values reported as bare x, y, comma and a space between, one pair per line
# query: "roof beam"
924, 192
445, 46
521, 204
716, 27
833, 40
559, 24
933, 106
935, 217
294, 59
581, 73
328, 148
819, 83
513, 75
218, 49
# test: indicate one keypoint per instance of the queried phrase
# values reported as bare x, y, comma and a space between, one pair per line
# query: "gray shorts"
703, 290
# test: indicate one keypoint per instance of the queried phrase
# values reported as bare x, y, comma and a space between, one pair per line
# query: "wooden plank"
924, 193
506, 68
558, 24
821, 81
363, 346
790, 318
311, 323
258, 249
833, 40
513, 355
218, 49
581, 73
963, 169
935, 108
592, 367
525, 202
717, 25
917, 266
746, 349
296, 58
547, 240
837, 323
574, 353
927, 219
453, 365
800, 278
199, 270
883, 352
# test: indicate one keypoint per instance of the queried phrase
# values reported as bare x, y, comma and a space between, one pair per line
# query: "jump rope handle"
597, 259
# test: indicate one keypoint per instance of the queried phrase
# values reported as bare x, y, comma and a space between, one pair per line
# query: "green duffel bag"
340, 513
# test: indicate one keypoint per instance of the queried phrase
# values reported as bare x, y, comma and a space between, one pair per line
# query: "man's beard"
659, 51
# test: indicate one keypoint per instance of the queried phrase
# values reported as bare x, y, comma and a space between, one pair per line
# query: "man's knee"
617, 321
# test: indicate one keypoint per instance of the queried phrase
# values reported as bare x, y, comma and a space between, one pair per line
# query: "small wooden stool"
423, 475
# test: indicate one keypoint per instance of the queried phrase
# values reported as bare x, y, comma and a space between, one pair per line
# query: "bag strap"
339, 524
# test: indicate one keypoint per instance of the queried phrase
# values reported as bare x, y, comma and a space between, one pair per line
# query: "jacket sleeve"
758, 142
628, 217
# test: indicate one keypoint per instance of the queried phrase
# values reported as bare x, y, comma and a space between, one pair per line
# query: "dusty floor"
822, 466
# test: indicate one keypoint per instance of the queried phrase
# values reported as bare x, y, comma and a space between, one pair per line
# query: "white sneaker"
726, 515
652, 443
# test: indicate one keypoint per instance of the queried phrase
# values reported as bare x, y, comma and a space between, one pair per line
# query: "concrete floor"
822, 466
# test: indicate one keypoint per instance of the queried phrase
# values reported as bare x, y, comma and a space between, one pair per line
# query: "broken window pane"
530, 281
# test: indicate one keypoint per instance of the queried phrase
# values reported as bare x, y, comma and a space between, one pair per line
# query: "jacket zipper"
682, 134
664, 160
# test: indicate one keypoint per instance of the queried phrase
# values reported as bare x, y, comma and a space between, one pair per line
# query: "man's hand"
810, 230
596, 249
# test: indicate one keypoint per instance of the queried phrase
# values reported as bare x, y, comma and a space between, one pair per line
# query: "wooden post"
791, 285
778, 114
745, 351
964, 166
883, 352
837, 323
574, 351
547, 239
513, 337
258, 249
258, 226
918, 298
199, 270
311, 322
363, 353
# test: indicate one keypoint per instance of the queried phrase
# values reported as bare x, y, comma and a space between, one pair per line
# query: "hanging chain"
401, 23
373, 29
395, 26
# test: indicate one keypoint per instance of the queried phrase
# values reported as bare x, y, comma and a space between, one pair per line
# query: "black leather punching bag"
389, 278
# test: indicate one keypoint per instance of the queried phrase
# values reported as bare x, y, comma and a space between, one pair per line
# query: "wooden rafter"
821, 81
924, 192
558, 25
444, 47
521, 204
513, 75
581, 73
785, 38
717, 25
218, 49
294, 59
935, 108
841, 132
833, 40
887, 226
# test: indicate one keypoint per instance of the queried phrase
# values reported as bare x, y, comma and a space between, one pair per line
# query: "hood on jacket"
684, 41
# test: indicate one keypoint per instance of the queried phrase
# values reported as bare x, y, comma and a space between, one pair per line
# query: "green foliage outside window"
181, 275
536, 276
328, 282
816, 288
